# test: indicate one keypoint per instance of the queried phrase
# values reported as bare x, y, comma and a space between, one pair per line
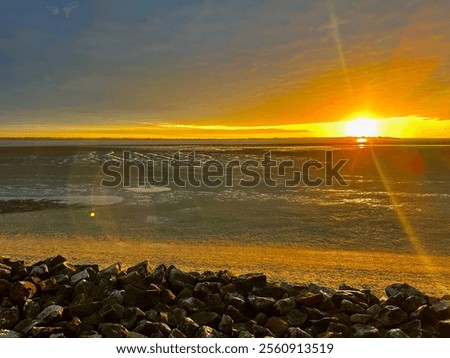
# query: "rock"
229, 288
374, 310
226, 324
296, 332
116, 296
425, 315
295, 318
142, 269
261, 332
148, 328
131, 316
158, 275
84, 288
134, 335
201, 290
9, 317
321, 324
244, 326
215, 304
6, 333
359, 330
443, 328
397, 288
55, 261
412, 303
293, 290
348, 306
245, 334
412, 328
236, 315
343, 318
62, 279
205, 318
44, 332
112, 314
441, 310
237, 302
64, 268
47, 317
5, 273
261, 304
391, 316
261, 318
176, 316
176, 333
83, 309
395, 333
151, 315
225, 277
4, 286
313, 313
326, 305
167, 296
40, 271
208, 332
310, 299
179, 280
338, 328
184, 293
360, 318
188, 327
191, 304
285, 305
50, 315
144, 299
21, 291
270, 290
132, 278
113, 270
112, 330
20, 274
352, 296
90, 334
49, 285
208, 276
277, 326
245, 283
31, 309
77, 277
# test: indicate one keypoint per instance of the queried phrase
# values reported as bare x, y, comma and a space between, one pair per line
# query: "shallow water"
397, 198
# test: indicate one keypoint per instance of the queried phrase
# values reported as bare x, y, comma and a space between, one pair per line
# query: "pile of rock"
54, 298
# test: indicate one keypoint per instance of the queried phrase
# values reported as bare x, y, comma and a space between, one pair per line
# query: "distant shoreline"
324, 141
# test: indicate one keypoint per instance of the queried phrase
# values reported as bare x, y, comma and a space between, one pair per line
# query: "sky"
224, 69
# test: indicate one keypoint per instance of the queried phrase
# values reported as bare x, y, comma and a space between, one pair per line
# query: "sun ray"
414, 240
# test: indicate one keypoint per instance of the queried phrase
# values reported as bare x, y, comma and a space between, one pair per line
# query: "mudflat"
368, 269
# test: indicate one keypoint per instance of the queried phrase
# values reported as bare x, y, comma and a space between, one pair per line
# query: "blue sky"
101, 63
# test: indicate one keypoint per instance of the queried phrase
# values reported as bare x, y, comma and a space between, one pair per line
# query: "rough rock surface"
53, 298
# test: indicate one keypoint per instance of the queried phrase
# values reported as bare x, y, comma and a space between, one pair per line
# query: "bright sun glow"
362, 127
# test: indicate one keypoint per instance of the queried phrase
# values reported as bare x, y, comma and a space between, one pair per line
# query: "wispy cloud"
66, 9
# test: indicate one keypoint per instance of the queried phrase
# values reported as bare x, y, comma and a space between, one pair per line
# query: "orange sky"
227, 70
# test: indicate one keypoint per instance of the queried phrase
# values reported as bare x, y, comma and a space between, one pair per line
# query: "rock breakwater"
53, 298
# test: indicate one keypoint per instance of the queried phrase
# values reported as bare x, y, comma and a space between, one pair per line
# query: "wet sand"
293, 264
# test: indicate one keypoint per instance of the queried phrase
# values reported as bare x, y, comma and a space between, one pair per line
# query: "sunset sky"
225, 69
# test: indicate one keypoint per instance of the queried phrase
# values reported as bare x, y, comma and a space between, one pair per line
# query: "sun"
362, 127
